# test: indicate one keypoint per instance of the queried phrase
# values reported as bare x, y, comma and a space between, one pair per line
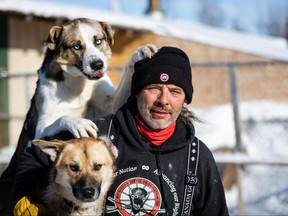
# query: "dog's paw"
142, 52
79, 127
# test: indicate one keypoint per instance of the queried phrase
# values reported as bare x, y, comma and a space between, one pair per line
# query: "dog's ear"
109, 32
111, 147
51, 148
53, 38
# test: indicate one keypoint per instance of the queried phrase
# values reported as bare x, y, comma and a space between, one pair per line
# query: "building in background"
25, 25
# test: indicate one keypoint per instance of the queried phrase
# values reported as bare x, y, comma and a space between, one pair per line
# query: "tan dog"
82, 175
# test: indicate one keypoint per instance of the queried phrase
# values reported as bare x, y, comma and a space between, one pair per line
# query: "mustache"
160, 108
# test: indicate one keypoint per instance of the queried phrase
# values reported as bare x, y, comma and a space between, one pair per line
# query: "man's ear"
185, 102
51, 148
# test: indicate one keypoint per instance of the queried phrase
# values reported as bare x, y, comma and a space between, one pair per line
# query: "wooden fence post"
235, 103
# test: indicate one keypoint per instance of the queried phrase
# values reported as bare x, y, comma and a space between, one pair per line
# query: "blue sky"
251, 14
177, 8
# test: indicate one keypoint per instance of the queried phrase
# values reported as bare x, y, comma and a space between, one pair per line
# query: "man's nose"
163, 97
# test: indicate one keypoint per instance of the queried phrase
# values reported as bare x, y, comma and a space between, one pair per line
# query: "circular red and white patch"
164, 77
138, 196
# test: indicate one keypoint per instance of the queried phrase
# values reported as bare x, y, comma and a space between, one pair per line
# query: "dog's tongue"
97, 74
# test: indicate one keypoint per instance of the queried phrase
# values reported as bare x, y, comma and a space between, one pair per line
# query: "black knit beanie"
169, 65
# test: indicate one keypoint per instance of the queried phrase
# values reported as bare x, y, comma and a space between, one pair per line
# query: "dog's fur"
82, 174
72, 84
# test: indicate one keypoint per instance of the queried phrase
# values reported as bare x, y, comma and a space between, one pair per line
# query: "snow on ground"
265, 138
264, 127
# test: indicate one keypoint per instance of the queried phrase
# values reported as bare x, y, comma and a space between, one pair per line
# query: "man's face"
160, 105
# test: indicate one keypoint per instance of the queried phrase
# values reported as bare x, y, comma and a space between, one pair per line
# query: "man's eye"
98, 41
176, 91
153, 90
77, 47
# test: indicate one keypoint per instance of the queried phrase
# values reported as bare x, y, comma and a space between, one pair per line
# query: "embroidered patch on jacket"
137, 196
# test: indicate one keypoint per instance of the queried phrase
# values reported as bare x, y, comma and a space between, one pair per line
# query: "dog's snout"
86, 189
88, 192
97, 65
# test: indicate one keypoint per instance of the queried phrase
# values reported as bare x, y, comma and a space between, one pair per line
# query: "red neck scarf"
156, 137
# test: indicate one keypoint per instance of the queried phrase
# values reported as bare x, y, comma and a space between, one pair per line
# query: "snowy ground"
265, 138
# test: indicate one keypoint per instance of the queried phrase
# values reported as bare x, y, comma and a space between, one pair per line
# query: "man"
163, 169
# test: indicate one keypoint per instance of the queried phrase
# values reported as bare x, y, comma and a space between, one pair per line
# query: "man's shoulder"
205, 153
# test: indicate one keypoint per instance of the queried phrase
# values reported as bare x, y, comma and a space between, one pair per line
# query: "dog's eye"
77, 47
74, 168
98, 41
97, 167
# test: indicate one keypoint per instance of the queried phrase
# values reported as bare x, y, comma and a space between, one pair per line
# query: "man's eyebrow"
153, 85
175, 88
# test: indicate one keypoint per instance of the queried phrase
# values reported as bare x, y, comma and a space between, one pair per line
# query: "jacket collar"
183, 135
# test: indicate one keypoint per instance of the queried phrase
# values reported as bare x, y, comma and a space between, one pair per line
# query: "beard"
143, 109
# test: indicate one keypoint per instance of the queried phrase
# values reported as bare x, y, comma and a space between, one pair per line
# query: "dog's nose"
97, 65
88, 192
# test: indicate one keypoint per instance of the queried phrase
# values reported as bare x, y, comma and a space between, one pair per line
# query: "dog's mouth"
97, 74
92, 70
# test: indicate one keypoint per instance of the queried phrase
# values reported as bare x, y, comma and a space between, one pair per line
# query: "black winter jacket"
150, 180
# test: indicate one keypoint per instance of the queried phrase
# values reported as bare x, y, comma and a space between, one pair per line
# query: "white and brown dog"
82, 174
73, 86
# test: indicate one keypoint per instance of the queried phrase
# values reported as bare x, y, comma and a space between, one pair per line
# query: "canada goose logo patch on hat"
164, 77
